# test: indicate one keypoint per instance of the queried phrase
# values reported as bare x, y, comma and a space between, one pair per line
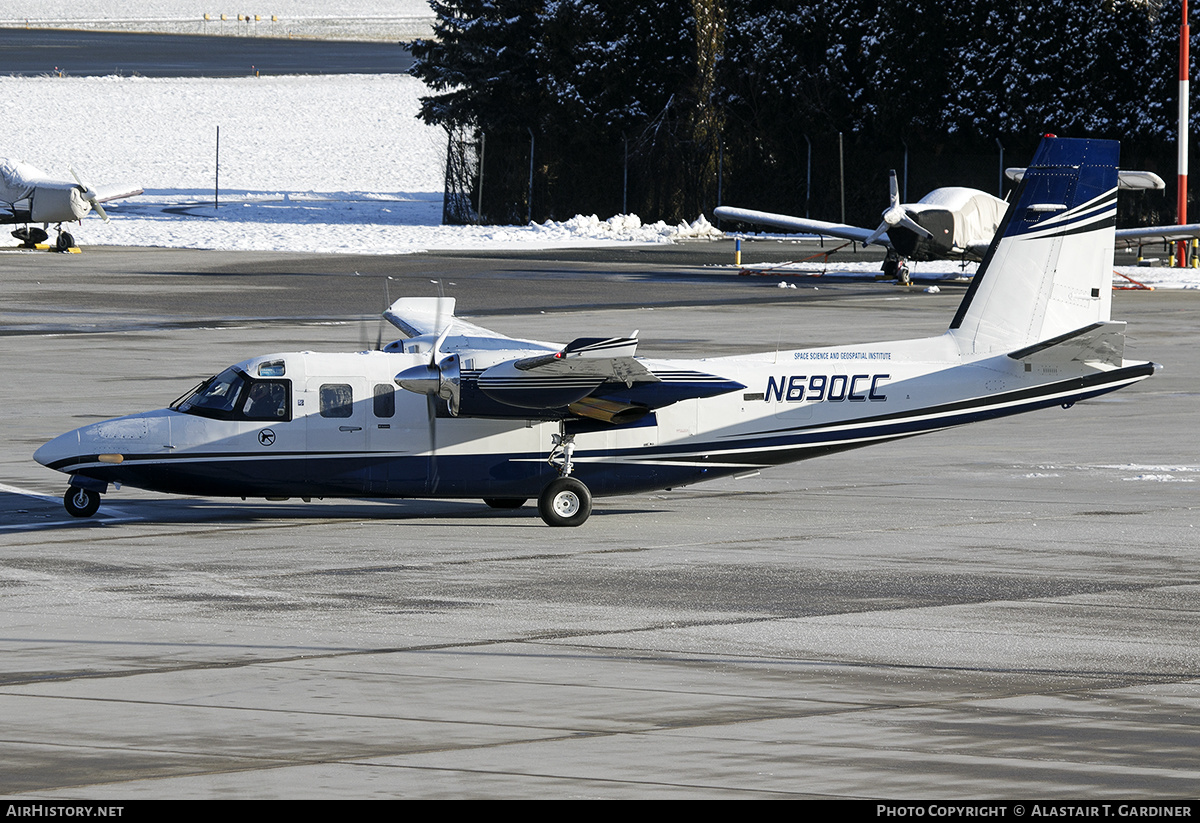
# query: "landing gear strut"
565, 501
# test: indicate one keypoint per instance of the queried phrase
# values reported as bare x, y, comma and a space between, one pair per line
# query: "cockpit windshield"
233, 395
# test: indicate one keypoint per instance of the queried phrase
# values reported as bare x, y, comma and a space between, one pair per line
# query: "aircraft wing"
116, 191
486, 374
801, 224
1127, 238
434, 316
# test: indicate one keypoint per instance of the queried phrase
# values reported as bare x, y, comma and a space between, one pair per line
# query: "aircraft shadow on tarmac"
25, 513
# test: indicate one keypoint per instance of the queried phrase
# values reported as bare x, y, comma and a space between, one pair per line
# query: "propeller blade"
431, 411
893, 189
875, 235
437, 345
910, 224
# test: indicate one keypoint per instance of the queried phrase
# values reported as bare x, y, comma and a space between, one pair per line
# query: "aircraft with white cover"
485, 416
951, 223
28, 195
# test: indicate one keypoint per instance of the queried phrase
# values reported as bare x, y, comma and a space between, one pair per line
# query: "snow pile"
629, 228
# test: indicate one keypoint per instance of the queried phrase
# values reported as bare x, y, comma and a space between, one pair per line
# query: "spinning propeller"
436, 380
895, 215
89, 194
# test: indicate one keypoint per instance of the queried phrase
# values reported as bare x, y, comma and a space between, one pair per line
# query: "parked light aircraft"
28, 195
481, 415
953, 223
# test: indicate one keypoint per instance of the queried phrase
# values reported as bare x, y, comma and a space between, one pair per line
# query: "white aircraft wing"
1127, 238
115, 191
486, 374
801, 224
421, 316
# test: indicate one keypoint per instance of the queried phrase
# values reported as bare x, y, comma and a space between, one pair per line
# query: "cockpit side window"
267, 400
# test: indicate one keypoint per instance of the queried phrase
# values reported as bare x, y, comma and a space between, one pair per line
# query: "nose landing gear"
81, 502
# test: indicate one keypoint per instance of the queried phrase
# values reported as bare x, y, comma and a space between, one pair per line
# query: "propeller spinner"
895, 215
89, 194
435, 379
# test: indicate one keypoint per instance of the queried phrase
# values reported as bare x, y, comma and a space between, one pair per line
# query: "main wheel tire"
505, 502
65, 241
81, 502
565, 502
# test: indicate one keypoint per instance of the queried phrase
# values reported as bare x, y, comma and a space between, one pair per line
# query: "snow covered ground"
345, 20
310, 164
314, 164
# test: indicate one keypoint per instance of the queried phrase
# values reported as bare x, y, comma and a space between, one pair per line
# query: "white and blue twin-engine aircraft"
481, 415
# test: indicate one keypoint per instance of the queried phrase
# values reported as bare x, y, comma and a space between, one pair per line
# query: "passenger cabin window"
385, 400
337, 400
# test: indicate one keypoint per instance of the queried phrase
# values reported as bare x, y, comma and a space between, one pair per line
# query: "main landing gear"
31, 237
565, 501
896, 268
81, 502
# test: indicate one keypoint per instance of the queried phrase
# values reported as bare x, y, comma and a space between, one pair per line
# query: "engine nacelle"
57, 204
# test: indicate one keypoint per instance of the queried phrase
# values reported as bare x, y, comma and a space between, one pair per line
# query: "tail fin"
1048, 271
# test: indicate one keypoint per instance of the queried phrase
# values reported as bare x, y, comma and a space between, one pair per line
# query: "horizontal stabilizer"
1145, 235
1098, 344
1126, 179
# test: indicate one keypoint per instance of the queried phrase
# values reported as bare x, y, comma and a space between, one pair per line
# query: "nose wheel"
81, 502
565, 502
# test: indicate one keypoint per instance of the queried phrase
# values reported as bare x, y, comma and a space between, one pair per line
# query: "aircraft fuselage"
335, 425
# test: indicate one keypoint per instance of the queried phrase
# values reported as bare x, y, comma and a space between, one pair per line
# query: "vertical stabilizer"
1048, 271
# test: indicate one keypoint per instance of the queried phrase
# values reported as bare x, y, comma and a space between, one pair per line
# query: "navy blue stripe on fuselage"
607, 472
792, 443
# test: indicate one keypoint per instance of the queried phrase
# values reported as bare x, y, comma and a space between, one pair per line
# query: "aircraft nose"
62, 447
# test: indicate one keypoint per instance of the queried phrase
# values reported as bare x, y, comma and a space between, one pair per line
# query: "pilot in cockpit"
266, 401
